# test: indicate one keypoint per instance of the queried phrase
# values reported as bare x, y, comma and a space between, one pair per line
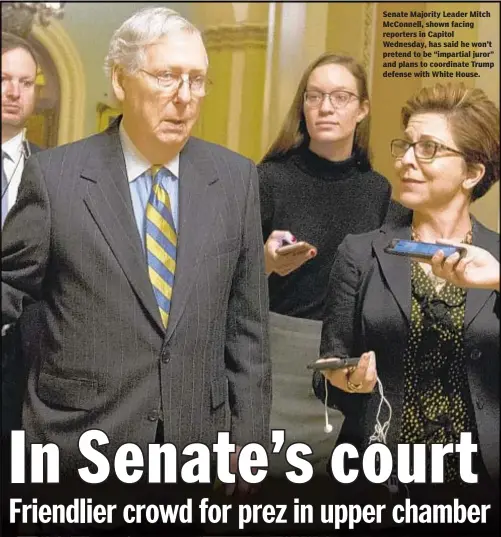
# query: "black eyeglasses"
423, 150
337, 98
171, 82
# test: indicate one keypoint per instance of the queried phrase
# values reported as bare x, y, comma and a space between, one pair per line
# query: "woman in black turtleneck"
316, 185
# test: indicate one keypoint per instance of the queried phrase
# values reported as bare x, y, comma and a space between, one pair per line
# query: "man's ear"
474, 174
117, 83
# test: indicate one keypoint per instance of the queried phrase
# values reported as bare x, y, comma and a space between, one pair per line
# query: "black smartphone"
333, 364
424, 250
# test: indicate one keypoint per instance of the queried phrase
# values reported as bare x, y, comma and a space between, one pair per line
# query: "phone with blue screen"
422, 250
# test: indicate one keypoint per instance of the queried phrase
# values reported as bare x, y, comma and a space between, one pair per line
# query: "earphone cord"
328, 426
380, 431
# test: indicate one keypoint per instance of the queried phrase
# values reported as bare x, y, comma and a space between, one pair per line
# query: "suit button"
165, 359
480, 403
153, 415
475, 354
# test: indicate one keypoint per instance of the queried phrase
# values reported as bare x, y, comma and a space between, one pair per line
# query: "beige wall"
389, 94
257, 53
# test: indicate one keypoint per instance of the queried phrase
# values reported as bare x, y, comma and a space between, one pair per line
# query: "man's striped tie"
161, 243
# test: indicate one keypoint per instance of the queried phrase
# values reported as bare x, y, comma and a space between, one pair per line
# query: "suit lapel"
110, 204
396, 270
476, 298
197, 203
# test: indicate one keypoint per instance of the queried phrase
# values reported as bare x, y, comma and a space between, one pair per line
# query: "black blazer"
368, 308
101, 357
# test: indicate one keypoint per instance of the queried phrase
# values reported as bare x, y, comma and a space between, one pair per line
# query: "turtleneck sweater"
318, 201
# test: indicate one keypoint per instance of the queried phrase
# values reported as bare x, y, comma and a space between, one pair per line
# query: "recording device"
333, 364
423, 250
296, 248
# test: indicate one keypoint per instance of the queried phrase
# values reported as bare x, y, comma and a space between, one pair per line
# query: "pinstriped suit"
101, 356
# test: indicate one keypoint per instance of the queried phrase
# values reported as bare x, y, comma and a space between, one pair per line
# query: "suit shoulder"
485, 237
493, 235
33, 148
358, 247
360, 240
69, 150
219, 152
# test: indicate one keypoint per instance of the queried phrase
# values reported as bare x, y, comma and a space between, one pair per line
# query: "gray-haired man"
142, 252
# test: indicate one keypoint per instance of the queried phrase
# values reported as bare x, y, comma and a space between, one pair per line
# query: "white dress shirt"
140, 185
13, 166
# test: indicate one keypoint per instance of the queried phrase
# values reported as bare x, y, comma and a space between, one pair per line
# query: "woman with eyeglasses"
316, 185
428, 331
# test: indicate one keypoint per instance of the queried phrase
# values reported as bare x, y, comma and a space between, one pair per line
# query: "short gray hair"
144, 28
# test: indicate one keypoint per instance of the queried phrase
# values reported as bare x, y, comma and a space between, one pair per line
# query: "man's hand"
240, 487
284, 264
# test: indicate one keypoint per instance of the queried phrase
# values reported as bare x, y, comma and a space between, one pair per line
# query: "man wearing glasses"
141, 248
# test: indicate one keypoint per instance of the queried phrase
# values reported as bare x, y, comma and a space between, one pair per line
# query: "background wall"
257, 52
90, 27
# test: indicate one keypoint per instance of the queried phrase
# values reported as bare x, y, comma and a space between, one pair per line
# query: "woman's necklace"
436, 281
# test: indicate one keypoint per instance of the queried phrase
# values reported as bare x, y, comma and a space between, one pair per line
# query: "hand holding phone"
421, 250
296, 248
333, 364
283, 255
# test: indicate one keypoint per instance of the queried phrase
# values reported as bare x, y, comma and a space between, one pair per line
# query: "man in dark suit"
19, 71
149, 286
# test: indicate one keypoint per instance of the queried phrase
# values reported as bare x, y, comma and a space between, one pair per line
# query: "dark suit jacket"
14, 368
369, 309
101, 357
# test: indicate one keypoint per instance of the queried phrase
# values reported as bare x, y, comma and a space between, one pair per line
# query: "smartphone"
333, 364
424, 250
296, 248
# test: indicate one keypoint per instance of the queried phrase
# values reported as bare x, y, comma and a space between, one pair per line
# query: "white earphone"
327, 427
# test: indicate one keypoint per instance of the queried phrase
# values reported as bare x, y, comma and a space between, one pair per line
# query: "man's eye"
167, 76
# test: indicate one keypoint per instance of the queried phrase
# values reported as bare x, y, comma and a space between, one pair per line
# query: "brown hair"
294, 133
12, 42
474, 124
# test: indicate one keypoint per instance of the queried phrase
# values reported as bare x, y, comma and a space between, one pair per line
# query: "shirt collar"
14, 146
135, 163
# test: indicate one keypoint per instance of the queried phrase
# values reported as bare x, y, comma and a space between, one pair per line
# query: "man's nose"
184, 92
11, 88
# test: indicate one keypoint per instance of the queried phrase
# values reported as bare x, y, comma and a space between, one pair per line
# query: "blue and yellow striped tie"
161, 243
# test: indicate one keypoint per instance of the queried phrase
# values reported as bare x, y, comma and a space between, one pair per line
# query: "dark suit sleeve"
25, 244
340, 322
266, 201
247, 347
